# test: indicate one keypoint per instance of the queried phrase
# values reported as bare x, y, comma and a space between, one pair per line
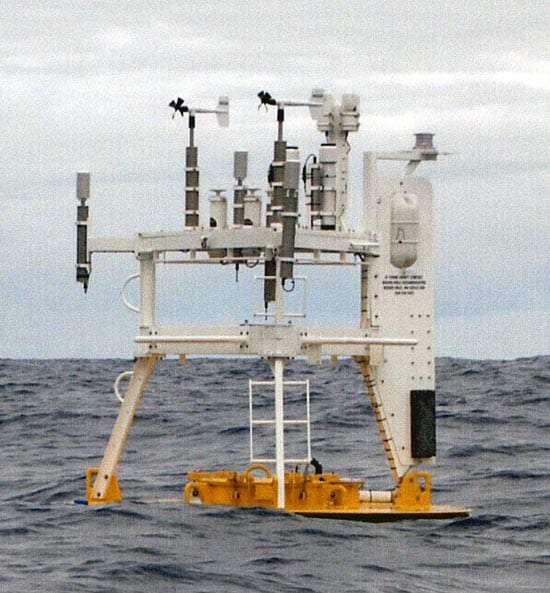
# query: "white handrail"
123, 293
122, 375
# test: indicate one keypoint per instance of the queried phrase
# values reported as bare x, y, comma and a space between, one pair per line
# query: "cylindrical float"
252, 208
404, 229
218, 218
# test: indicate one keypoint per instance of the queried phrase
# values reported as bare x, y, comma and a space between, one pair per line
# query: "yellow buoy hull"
326, 496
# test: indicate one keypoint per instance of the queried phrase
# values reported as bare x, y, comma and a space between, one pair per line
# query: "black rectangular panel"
81, 244
423, 423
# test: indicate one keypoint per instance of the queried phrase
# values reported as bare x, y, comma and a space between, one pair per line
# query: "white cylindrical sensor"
404, 229
218, 211
252, 210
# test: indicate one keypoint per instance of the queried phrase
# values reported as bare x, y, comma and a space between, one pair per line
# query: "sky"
85, 86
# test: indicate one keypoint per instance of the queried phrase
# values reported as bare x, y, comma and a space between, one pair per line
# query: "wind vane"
178, 105
266, 99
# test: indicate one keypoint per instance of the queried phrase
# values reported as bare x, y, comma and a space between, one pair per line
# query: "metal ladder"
255, 422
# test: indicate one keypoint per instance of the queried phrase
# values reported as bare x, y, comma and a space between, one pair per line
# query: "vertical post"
369, 188
83, 264
191, 178
148, 290
278, 365
278, 369
290, 212
279, 295
365, 315
277, 204
280, 121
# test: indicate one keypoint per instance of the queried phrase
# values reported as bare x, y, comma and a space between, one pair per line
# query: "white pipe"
279, 296
148, 291
307, 341
189, 339
251, 420
375, 495
278, 367
350, 340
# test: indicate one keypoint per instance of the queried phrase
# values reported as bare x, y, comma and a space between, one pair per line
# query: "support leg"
102, 489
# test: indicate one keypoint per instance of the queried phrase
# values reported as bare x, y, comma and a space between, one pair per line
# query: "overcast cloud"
85, 86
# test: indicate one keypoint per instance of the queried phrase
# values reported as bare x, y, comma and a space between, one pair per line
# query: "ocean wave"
56, 417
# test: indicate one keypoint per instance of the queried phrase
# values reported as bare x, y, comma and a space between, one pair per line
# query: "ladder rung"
273, 460
285, 383
284, 421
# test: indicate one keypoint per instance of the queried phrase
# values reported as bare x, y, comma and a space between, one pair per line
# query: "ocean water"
56, 416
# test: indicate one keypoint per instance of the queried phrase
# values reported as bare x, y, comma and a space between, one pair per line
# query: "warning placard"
403, 283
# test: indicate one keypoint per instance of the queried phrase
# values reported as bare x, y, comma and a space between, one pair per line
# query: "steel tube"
278, 368
189, 339
351, 340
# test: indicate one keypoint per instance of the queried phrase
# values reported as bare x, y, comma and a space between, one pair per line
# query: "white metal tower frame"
395, 339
